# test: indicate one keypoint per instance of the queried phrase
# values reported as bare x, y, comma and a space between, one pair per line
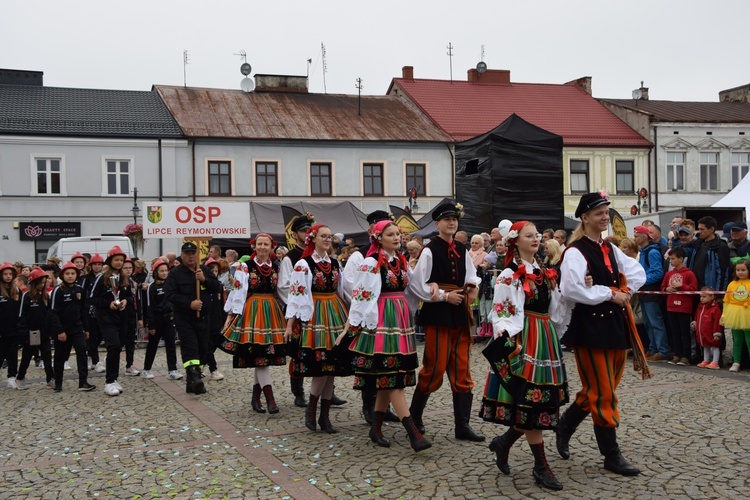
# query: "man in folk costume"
349, 274
601, 329
446, 281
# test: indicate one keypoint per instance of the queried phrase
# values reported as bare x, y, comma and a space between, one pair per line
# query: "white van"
65, 248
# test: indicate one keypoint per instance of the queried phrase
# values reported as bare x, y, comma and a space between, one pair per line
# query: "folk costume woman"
528, 383
315, 300
380, 343
255, 332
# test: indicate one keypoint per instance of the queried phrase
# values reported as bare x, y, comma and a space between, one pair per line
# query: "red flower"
355, 293
383, 382
360, 362
499, 307
365, 294
237, 284
298, 268
390, 361
319, 355
536, 395
512, 309
544, 419
503, 371
500, 413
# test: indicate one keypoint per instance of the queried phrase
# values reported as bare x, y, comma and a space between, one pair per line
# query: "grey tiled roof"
26, 109
685, 111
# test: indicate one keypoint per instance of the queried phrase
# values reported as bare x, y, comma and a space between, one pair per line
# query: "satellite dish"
481, 67
245, 69
247, 84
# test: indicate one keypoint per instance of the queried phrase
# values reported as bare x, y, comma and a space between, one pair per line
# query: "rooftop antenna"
359, 96
185, 62
242, 54
450, 58
481, 65
325, 66
247, 84
309, 63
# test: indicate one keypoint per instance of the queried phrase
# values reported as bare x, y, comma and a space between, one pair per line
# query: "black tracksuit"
68, 313
160, 318
34, 316
112, 324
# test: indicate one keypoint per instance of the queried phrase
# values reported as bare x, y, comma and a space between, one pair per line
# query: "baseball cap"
189, 247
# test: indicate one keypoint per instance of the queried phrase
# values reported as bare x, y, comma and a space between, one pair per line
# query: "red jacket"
707, 323
676, 302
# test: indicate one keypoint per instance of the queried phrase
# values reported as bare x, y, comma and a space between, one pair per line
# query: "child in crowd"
736, 313
32, 324
707, 329
679, 307
160, 322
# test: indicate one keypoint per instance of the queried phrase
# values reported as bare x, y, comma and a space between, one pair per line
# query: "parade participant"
68, 319
95, 337
492, 265
531, 383
160, 323
708, 329
188, 288
9, 335
380, 344
349, 273
446, 281
315, 301
135, 318
601, 328
110, 296
80, 262
33, 327
300, 226
218, 316
736, 314
255, 337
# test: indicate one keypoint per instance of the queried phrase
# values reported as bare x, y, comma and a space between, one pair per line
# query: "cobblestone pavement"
687, 429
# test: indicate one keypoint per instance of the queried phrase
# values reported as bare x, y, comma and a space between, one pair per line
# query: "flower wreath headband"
312, 233
261, 235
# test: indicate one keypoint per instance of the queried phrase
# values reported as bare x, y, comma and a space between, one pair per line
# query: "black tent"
513, 172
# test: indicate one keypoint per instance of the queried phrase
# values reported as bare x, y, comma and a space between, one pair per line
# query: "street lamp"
413, 207
136, 212
642, 204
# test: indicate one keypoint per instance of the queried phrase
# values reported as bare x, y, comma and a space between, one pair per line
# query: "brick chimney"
407, 72
21, 77
281, 83
584, 82
489, 76
736, 94
641, 93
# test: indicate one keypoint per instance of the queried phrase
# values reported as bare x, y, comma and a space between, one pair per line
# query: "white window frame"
710, 166
232, 177
426, 165
277, 161
332, 162
383, 166
737, 168
673, 165
35, 185
105, 174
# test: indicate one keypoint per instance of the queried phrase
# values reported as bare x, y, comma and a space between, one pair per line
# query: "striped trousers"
446, 350
600, 371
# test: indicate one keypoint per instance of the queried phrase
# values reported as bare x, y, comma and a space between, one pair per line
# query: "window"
625, 174
320, 179
709, 171
117, 177
265, 178
579, 176
372, 179
416, 178
219, 178
740, 167
675, 171
49, 179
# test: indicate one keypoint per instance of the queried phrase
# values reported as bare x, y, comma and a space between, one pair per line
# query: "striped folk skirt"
256, 337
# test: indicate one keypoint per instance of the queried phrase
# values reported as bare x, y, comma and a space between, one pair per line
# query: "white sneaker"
16, 384
216, 375
100, 368
735, 368
21, 385
118, 386
147, 374
67, 366
111, 390
132, 371
174, 375
90, 364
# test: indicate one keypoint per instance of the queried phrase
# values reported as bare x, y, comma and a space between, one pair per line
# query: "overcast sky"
685, 50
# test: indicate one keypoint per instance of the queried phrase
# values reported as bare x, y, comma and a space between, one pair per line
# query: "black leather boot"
418, 402
501, 446
569, 422
606, 438
376, 430
462, 414
390, 416
337, 401
417, 440
194, 383
542, 473
324, 420
298, 389
368, 404
310, 411
255, 401
270, 401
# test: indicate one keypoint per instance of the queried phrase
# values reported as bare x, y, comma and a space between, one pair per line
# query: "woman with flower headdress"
315, 301
528, 382
254, 334
380, 343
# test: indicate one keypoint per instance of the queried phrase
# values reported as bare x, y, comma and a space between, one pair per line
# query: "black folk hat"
303, 222
377, 216
590, 201
189, 247
447, 209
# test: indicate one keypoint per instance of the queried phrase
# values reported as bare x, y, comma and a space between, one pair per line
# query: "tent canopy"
513, 172
739, 197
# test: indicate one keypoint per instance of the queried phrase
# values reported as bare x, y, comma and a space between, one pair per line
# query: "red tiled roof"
222, 113
692, 112
467, 109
